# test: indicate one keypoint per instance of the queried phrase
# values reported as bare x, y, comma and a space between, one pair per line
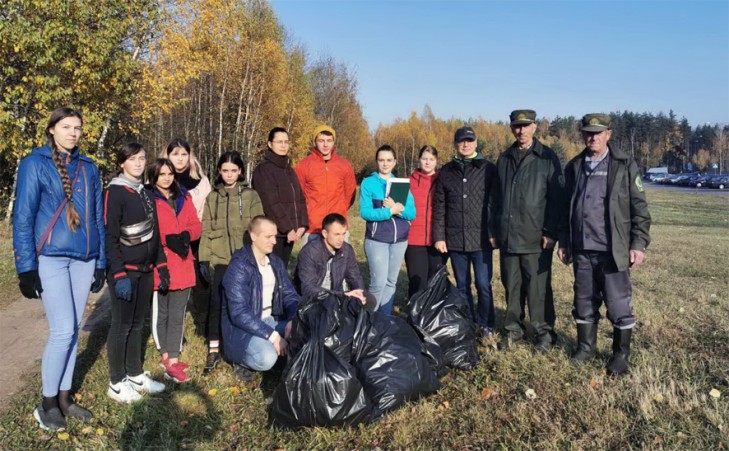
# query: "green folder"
398, 188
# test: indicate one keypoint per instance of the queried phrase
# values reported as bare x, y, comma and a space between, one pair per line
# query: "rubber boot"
618, 364
586, 342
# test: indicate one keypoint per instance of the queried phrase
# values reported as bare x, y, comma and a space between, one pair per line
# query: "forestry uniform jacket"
225, 222
38, 195
329, 186
173, 221
311, 268
243, 301
423, 188
460, 206
278, 186
627, 209
528, 199
127, 203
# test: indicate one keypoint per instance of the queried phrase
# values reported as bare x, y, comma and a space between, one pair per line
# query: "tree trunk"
9, 213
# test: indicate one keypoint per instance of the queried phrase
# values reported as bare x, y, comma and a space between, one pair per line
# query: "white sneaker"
144, 383
123, 392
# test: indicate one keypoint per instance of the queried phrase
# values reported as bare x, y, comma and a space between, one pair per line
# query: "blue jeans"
482, 268
66, 283
384, 260
260, 353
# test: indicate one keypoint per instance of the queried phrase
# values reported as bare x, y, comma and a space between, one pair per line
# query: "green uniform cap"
595, 122
523, 117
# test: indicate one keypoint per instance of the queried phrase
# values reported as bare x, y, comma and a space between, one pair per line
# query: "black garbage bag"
442, 315
320, 388
391, 362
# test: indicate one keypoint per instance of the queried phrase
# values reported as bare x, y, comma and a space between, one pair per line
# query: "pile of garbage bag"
444, 320
348, 365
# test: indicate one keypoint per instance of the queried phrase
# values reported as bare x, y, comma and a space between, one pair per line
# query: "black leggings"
124, 344
216, 297
422, 263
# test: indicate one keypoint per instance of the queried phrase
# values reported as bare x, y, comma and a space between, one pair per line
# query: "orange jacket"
328, 186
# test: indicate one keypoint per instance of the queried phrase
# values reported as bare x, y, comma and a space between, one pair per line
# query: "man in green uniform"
605, 233
525, 211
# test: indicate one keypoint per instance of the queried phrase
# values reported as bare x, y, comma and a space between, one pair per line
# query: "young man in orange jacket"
326, 178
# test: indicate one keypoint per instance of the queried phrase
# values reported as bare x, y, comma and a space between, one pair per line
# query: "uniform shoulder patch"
639, 183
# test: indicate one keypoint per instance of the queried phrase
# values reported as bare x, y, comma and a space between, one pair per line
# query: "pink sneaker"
175, 373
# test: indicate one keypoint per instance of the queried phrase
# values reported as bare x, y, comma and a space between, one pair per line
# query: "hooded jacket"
127, 203
423, 189
38, 195
381, 224
328, 186
225, 222
278, 186
243, 301
627, 209
175, 221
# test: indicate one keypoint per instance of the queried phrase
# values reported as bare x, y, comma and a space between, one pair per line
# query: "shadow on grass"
182, 418
97, 325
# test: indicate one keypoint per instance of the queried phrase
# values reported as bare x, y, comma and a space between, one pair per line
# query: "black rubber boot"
618, 364
586, 342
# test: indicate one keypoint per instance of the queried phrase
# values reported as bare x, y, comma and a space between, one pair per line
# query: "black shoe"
242, 373
510, 339
545, 342
51, 420
211, 362
586, 342
618, 364
78, 413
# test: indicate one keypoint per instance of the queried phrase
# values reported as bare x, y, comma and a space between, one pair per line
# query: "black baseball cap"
464, 133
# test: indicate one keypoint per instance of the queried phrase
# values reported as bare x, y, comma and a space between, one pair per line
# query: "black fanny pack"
141, 232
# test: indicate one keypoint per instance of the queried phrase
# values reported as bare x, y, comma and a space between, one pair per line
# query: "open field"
680, 353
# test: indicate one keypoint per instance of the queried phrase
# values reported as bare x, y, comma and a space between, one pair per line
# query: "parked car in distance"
720, 182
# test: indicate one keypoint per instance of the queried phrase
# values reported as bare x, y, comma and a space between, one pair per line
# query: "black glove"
205, 271
185, 235
98, 284
123, 289
164, 279
30, 284
176, 243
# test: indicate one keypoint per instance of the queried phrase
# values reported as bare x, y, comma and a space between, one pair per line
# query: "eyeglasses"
281, 142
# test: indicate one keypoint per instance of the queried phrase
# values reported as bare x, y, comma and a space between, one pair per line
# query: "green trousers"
527, 280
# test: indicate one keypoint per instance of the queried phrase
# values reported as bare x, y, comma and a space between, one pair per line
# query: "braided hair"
72, 217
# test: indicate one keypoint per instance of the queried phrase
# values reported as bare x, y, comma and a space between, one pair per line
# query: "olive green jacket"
528, 200
627, 213
225, 222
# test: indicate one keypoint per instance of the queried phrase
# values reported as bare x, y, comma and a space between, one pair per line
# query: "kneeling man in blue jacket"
259, 303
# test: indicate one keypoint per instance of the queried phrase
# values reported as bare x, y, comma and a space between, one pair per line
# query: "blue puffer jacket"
242, 303
39, 193
381, 225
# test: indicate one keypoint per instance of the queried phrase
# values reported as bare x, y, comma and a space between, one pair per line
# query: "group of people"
224, 249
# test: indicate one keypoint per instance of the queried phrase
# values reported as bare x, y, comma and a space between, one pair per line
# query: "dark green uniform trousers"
528, 278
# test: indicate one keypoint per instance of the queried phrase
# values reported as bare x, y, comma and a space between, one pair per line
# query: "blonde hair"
196, 171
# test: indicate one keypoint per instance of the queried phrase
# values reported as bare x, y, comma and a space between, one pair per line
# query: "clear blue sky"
485, 58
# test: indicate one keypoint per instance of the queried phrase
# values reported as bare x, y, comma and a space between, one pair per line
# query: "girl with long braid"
58, 240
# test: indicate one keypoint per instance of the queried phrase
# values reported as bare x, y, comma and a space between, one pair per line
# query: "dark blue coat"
242, 303
39, 194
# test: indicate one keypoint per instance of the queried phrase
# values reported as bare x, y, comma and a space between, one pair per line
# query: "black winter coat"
460, 206
278, 186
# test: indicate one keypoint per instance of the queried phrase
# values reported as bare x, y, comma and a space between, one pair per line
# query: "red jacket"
182, 270
422, 187
328, 186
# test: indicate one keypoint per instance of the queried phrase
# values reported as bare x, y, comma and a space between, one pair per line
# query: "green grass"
680, 353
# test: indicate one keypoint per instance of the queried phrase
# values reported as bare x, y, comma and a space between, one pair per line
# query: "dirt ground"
23, 335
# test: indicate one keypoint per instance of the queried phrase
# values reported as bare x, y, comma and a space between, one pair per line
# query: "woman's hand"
388, 202
397, 209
